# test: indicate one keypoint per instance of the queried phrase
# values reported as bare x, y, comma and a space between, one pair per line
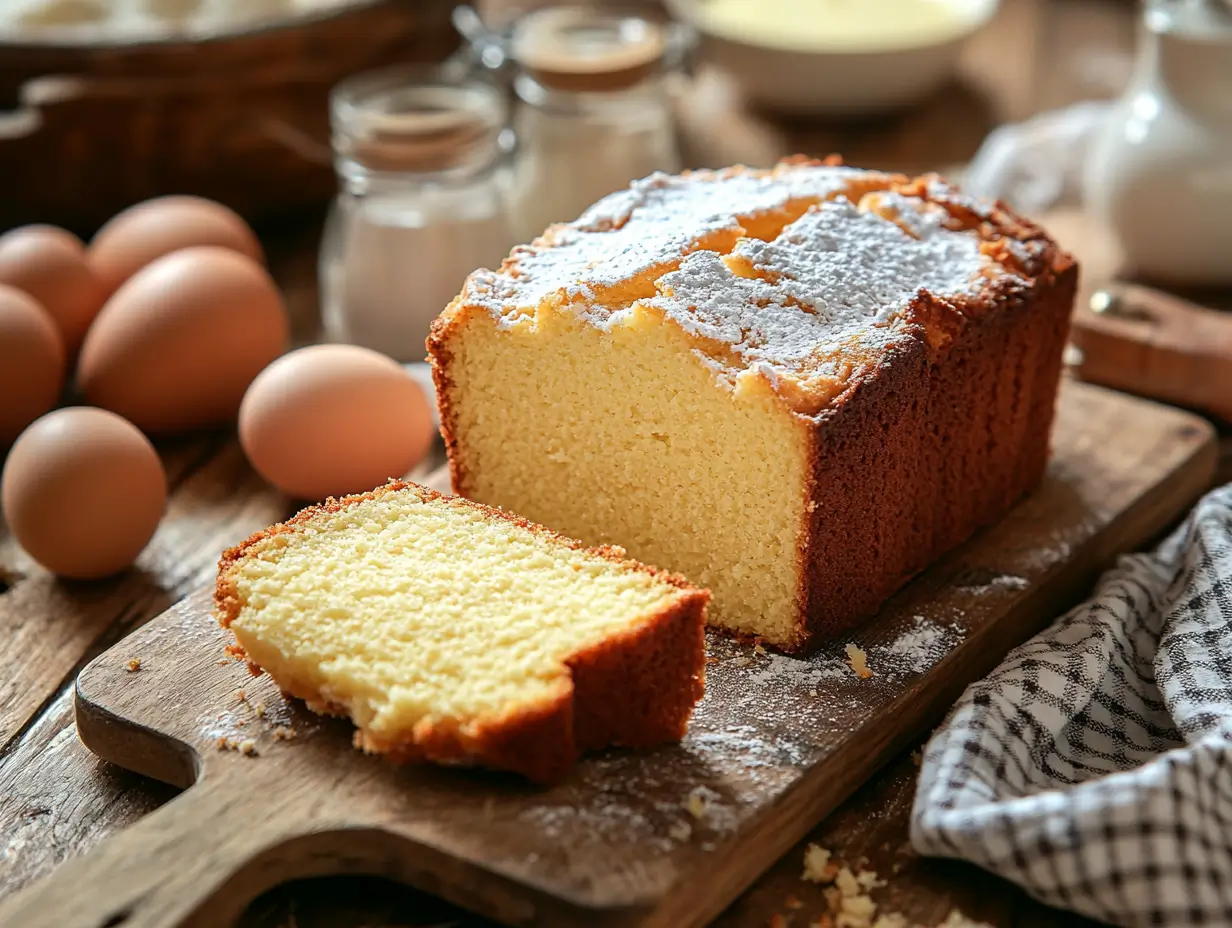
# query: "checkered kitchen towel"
1094, 766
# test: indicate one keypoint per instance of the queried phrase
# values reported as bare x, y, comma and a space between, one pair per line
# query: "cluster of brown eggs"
169, 322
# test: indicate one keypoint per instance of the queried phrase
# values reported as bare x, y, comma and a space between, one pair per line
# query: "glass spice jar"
422, 160
593, 109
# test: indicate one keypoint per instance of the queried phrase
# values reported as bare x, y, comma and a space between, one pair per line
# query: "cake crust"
634, 689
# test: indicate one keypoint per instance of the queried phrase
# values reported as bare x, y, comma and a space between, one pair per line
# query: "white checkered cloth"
1094, 766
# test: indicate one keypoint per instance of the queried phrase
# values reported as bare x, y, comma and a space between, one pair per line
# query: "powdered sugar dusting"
822, 298
835, 278
921, 645
997, 583
653, 224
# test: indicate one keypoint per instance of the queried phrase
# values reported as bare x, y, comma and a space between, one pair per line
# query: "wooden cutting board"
661, 838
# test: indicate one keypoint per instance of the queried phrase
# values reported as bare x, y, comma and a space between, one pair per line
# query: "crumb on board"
869, 881
134, 665
245, 746
224, 662
817, 868
283, 733
695, 803
680, 831
917, 756
757, 647
241, 696
259, 708
859, 661
846, 882
847, 900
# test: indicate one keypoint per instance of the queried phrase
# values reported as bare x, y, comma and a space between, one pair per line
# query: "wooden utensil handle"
165, 871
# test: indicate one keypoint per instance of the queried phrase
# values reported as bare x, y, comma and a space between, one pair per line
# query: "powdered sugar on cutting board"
920, 646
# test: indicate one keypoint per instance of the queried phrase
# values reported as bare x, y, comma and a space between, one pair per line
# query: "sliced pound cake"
457, 633
796, 386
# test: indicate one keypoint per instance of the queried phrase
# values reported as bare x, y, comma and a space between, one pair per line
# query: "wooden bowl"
241, 117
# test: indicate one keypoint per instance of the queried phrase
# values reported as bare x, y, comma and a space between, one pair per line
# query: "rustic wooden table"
57, 800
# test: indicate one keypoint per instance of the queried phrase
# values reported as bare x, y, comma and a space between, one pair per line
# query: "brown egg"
149, 230
176, 347
31, 362
334, 419
50, 265
83, 492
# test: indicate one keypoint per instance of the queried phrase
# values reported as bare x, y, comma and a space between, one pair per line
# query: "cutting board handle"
1145, 341
170, 868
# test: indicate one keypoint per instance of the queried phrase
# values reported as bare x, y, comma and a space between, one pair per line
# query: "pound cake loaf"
456, 633
795, 386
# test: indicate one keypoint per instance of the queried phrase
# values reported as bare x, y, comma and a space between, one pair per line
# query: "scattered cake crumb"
696, 802
793, 902
859, 661
680, 831
223, 663
758, 649
246, 746
259, 708
134, 665
283, 733
847, 900
846, 882
917, 756
817, 866
868, 880
241, 695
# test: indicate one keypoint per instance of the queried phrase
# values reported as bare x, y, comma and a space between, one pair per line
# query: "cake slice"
796, 386
456, 633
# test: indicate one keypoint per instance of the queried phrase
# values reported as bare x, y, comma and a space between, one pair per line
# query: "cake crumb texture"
796, 386
457, 633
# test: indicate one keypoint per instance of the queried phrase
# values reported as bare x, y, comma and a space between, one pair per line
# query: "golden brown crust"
936, 443
635, 689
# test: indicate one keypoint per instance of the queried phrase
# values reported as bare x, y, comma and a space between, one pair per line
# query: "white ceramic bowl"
842, 81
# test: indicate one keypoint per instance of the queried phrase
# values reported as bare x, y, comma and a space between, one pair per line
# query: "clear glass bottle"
422, 161
593, 109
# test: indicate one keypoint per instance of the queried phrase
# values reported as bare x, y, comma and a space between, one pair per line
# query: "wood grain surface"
57, 801
659, 838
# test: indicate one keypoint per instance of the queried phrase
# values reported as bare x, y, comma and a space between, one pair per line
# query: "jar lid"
578, 49
406, 120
